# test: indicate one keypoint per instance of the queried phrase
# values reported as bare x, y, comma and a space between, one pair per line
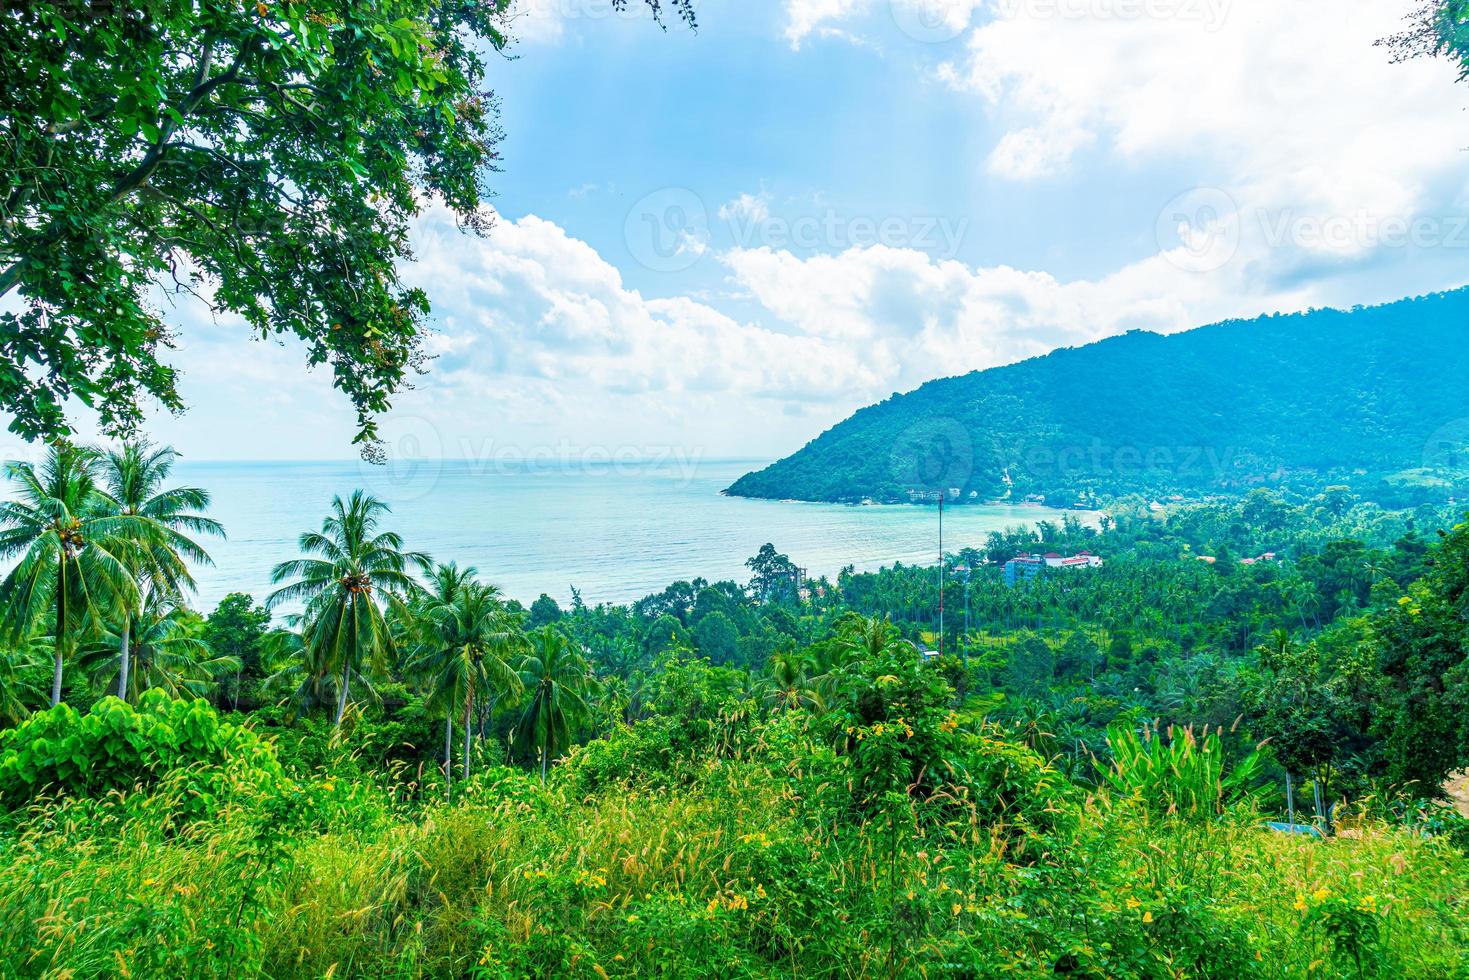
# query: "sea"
616, 531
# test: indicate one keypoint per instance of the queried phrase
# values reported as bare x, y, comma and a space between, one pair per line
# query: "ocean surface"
615, 531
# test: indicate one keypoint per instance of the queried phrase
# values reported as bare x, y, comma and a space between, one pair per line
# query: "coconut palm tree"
299, 669
789, 685
870, 637
557, 683
71, 550
133, 479
20, 684
167, 652
465, 639
349, 570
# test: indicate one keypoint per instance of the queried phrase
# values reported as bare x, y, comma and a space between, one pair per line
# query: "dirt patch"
1457, 789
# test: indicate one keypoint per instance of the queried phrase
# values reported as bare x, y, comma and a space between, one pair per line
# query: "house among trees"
1024, 567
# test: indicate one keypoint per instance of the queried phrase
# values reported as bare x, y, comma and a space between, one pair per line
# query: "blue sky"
727, 241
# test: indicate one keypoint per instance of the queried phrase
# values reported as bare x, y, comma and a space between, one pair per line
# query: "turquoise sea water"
615, 531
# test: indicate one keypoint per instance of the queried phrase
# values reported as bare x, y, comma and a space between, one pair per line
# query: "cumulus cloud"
803, 17
924, 318
532, 300
746, 209
1328, 154
927, 21
1293, 94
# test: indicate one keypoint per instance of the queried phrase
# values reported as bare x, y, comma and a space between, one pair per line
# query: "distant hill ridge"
1375, 393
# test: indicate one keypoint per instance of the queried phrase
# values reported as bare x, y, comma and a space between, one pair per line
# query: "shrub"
1182, 777
116, 747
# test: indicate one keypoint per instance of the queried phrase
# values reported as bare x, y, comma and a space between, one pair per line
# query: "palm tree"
789, 685
465, 636
557, 681
869, 638
20, 684
293, 665
71, 552
348, 564
134, 477
167, 652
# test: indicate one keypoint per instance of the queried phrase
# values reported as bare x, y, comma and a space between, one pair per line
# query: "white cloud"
806, 16
1324, 146
747, 209
534, 309
539, 21
1290, 101
924, 318
927, 21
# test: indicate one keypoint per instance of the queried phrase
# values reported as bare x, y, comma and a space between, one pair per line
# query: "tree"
557, 682
71, 553
664, 633
1422, 659
268, 156
717, 638
133, 479
869, 638
348, 563
773, 574
169, 654
544, 611
237, 629
789, 685
1296, 704
1030, 666
297, 666
22, 684
466, 638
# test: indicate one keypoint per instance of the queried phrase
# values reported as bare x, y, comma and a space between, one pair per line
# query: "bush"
1182, 777
117, 747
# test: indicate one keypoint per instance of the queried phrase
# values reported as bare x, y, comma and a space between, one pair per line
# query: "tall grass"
733, 876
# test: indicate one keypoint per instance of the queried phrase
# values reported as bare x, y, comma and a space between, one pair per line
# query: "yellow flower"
1300, 903
1321, 894
1147, 916
1133, 903
958, 908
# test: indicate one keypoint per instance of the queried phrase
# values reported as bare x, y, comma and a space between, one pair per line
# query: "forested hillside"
1378, 396
783, 777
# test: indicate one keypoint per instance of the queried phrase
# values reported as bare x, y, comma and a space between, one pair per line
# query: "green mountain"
1373, 396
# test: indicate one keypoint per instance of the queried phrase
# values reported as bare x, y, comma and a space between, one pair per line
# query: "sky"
725, 241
